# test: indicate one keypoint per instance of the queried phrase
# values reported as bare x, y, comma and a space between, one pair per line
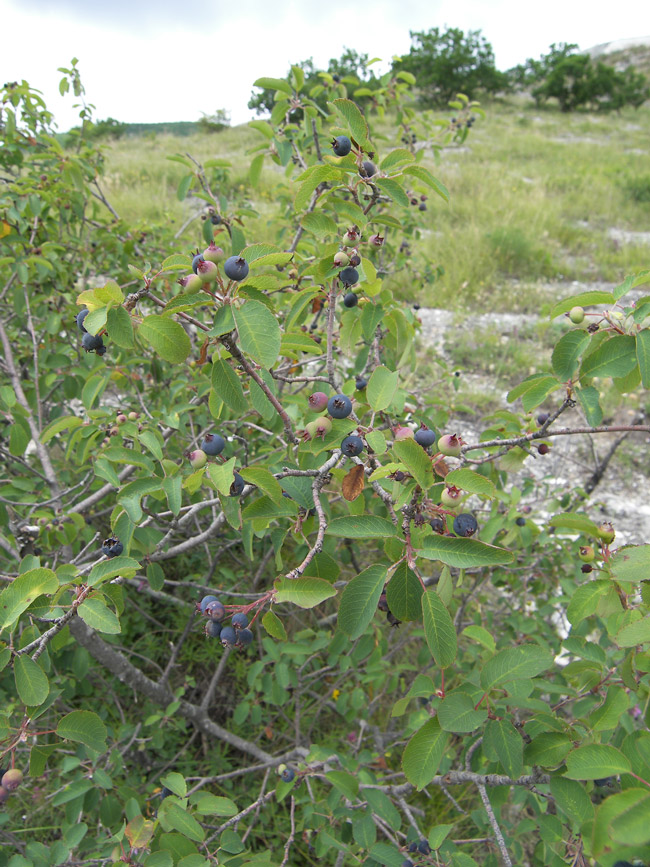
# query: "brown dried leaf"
203, 357
440, 468
353, 483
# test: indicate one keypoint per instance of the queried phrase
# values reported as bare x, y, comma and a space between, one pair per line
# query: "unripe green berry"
198, 459
606, 532
576, 315
586, 553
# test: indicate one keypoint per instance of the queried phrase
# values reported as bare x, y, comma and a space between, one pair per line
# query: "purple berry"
339, 406
360, 383
197, 259
318, 401
465, 524
81, 315
92, 342
425, 437
244, 637
237, 486
228, 637
236, 268
239, 620
341, 145
352, 446
368, 169
215, 610
206, 601
112, 547
213, 444
213, 629
350, 299
288, 775
349, 276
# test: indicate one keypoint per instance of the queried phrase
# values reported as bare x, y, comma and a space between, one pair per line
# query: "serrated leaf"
274, 626
574, 521
31, 681
503, 738
416, 461
463, 553
457, 714
424, 753
259, 332
584, 299
176, 262
303, 592
585, 600
572, 799
630, 825
589, 399
215, 805
643, 355
22, 591
515, 663
471, 482
273, 84
111, 568
628, 565
119, 327
427, 178
361, 527
183, 822
614, 357
65, 423
404, 594
98, 616
83, 726
393, 190
228, 387
595, 761
166, 337
567, 353
319, 224
354, 119
438, 629
359, 600
139, 831
381, 388
634, 633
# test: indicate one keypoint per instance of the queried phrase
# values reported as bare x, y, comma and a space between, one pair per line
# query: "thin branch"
495, 825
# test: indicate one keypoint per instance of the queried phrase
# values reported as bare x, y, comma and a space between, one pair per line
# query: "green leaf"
515, 663
473, 483
575, 521
430, 180
131, 495
215, 805
228, 387
572, 799
404, 594
355, 121
456, 714
548, 749
319, 224
184, 186
262, 126
303, 592
630, 826
273, 84
31, 682
255, 169
274, 626
396, 157
643, 355
259, 332
610, 712
595, 761
628, 565
585, 600
107, 569
438, 629
166, 337
463, 553
478, 633
67, 423
172, 486
381, 388
416, 461
388, 856
423, 754
98, 616
119, 327
175, 783
222, 475
181, 820
359, 600
344, 782
567, 352
265, 481
362, 527
634, 633
176, 262
614, 357
22, 591
584, 299
83, 726
503, 739
393, 190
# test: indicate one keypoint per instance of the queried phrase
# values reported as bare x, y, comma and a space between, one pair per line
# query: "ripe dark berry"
236, 268
465, 524
318, 401
341, 145
360, 383
213, 629
215, 219
399, 476
112, 547
213, 444
101, 350
349, 276
425, 437
382, 605
352, 446
91, 342
520, 522
390, 617
416, 306
542, 418
437, 525
355, 260
288, 775
424, 848
237, 486
350, 299
244, 637
81, 315
586, 568
206, 601
368, 169
543, 449
197, 259
239, 620
228, 637
407, 863
339, 406
413, 847
215, 610
12, 779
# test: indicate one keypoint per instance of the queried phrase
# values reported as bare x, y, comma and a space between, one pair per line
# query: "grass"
533, 194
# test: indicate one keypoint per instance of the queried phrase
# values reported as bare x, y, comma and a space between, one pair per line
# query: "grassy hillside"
536, 196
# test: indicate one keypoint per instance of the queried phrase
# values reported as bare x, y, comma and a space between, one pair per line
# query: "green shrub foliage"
367, 681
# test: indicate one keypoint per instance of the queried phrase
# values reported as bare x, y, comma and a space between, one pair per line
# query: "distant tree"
451, 62
215, 122
534, 71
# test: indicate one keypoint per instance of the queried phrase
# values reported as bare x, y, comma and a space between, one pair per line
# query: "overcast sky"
149, 61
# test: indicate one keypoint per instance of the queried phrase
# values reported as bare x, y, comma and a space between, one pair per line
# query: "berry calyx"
376, 240
577, 315
341, 145
352, 446
449, 445
425, 437
213, 444
112, 547
190, 284
198, 459
236, 268
318, 401
349, 276
465, 524
12, 779
339, 406
350, 299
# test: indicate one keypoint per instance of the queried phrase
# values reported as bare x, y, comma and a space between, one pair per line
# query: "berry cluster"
90, 342
235, 635
417, 847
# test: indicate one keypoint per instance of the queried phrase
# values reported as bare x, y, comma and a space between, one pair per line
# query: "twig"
495, 825
292, 833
